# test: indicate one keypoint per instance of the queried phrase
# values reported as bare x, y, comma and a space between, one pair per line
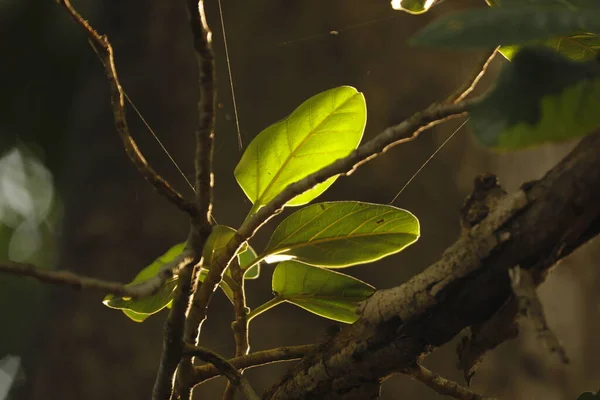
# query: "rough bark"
400, 326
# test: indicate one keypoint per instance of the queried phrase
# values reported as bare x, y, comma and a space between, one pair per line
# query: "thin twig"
105, 51
524, 288
68, 278
442, 385
478, 72
205, 372
224, 368
240, 325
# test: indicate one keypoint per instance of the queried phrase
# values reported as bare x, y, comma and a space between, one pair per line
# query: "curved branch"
104, 49
206, 372
232, 374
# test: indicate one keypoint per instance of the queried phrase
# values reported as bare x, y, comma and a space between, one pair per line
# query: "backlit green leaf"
340, 234
490, 27
323, 292
141, 308
539, 97
245, 257
324, 128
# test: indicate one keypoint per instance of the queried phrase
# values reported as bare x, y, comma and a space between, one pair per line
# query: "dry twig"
442, 385
104, 49
240, 325
478, 72
68, 278
524, 287
203, 373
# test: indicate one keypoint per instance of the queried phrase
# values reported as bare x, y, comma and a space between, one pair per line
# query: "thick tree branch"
443, 386
68, 278
203, 373
104, 49
466, 287
225, 368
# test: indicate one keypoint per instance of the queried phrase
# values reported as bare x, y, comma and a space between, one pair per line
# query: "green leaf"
414, 7
323, 292
490, 27
341, 234
141, 308
245, 257
324, 128
540, 97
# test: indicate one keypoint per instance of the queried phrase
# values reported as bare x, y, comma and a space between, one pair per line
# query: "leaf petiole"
264, 307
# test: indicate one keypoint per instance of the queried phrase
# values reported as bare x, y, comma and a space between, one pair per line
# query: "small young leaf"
245, 257
490, 27
141, 308
539, 97
324, 128
341, 234
323, 292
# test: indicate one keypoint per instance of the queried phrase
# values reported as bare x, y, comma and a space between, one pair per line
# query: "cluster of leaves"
549, 92
313, 240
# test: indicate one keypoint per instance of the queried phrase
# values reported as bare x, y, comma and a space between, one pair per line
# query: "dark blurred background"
69, 197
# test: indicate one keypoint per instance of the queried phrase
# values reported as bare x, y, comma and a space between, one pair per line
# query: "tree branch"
68, 278
105, 51
206, 372
201, 227
466, 287
240, 325
173, 335
530, 305
225, 368
478, 72
185, 318
441, 385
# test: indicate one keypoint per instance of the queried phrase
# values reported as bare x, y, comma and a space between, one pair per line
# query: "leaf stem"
264, 307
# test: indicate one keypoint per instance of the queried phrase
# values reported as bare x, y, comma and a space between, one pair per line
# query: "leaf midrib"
334, 238
291, 155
